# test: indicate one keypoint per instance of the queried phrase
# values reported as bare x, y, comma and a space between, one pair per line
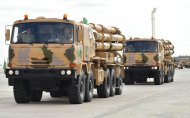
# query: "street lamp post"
153, 22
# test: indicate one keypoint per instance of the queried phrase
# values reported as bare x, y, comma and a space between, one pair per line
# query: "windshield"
43, 32
141, 46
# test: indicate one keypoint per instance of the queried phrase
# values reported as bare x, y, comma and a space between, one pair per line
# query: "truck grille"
40, 63
140, 62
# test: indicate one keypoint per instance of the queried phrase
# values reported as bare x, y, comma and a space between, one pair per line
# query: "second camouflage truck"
65, 58
148, 58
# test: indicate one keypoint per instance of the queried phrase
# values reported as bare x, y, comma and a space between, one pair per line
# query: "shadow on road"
147, 83
59, 100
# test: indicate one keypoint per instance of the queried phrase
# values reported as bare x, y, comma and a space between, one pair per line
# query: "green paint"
85, 21
69, 53
11, 54
79, 52
156, 58
47, 54
144, 58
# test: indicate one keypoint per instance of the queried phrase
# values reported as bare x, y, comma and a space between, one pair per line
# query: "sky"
133, 17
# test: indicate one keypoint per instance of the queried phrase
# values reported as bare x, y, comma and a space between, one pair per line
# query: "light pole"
153, 22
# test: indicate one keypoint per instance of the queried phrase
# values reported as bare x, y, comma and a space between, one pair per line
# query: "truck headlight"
68, 72
16, 72
126, 67
155, 67
10, 72
63, 72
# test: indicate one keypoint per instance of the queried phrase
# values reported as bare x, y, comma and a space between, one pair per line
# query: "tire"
172, 79
158, 79
36, 95
128, 80
56, 93
162, 76
21, 91
167, 78
119, 86
103, 90
112, 82
89, 84
77, 89
172, 76
145, 80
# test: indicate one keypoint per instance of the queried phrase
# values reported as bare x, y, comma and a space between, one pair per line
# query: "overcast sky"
133, 17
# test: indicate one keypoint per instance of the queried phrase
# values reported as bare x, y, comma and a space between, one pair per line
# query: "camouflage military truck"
179, 64
148, 58
186, 64
65, 58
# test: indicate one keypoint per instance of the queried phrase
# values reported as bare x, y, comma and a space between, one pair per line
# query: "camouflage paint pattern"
80, 52
160, 58
147, 59
41, 55
47, 54
144, 58
11, 53
69, 53
156, 58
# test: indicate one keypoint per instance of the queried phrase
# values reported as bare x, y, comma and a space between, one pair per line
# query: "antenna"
153, 22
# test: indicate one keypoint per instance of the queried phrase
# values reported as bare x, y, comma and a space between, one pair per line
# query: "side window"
77, 34
15, 34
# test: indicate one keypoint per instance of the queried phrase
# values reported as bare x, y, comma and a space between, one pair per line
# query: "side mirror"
7, 35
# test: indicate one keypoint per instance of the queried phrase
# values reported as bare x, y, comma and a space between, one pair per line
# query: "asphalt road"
171, 100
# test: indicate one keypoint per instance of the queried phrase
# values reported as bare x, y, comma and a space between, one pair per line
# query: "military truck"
148, 58
179, 64
186, 64
65, 58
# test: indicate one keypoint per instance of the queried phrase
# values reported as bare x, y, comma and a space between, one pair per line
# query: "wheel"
172, 76
145, 80
128, 80
172, 79
167, 78
36, 95
56, 93
89, 84
162, 77
119, 86
21, 91
77, 89
113, 82
103, 90
158, 79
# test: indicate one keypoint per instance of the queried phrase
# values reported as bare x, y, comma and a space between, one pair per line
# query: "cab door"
88, 43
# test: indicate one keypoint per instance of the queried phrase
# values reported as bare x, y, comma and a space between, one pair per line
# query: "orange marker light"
65, 17
73, 65
25, 17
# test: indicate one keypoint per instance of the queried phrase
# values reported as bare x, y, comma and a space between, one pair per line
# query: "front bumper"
141, 72
141, 68
40, 73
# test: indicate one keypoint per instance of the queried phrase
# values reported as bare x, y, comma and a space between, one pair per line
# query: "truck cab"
47, 54
143, 59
